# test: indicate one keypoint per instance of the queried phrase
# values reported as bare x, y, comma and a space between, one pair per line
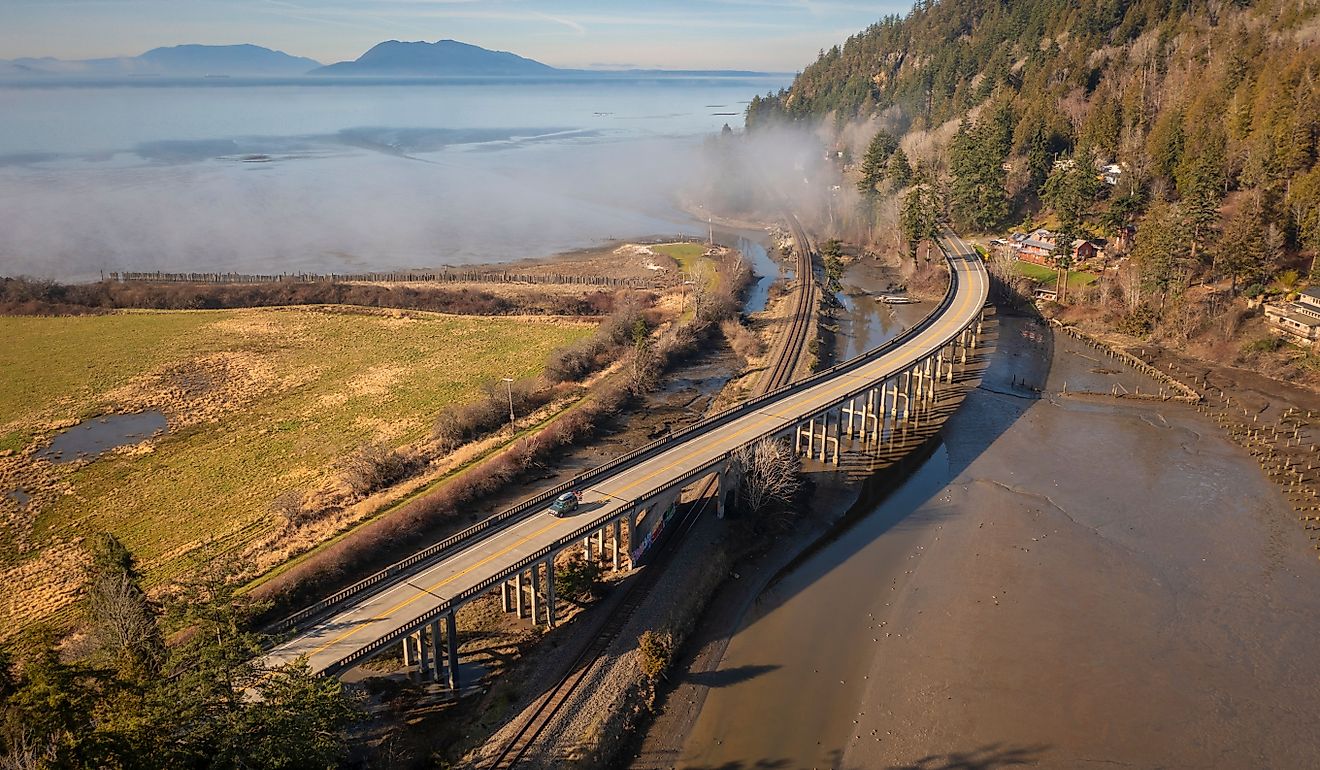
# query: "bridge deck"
378, 614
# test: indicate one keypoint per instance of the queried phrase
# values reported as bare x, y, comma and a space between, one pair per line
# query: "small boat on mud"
895, 299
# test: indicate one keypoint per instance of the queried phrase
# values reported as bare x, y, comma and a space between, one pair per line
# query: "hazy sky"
779, 35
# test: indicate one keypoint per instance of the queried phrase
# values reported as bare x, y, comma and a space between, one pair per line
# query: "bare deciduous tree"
770, 474
24, 751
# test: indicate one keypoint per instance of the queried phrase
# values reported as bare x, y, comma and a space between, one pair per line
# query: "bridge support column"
424, 659
451, 652
849, 408
408, 655
600, 544
518, 592
504, 595
536, 594
868, 414
550, 591
953, 353
586, 548
838, 436
437, 654
903, 388
824, 434
614, 542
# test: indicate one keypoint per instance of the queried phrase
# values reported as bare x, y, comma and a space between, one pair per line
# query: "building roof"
1312, 291
1289, 312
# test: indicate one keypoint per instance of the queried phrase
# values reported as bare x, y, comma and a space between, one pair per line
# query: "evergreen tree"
875, 162
1161, 250
1240, 254
899, 170
919, 217
978, 196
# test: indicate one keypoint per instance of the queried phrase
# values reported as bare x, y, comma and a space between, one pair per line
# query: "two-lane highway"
380, 614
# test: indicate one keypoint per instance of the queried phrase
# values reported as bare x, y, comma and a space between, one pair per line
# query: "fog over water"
343, 176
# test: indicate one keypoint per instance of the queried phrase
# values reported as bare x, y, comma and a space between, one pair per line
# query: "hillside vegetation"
997, 114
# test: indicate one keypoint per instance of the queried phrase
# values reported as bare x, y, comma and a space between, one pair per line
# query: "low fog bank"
335, 208
385, 199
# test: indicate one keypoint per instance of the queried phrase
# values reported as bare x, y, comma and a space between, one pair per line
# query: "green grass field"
260, 401
691, 259
1046, 275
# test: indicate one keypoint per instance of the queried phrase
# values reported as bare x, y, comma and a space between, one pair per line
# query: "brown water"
1064, 582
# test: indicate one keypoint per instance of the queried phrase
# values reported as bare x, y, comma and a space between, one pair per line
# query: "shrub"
375, 467
579, 578
655, 650
1264, 345
743, 341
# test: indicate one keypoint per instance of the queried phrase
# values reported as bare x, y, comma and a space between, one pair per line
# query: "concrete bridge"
861, 399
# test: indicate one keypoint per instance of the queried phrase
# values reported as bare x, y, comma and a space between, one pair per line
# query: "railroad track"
544, 710
795, 343
552, 701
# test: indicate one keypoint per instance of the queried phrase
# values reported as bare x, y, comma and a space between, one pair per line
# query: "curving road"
329, 643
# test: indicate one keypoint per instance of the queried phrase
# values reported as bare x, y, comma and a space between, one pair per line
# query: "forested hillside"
1209, 109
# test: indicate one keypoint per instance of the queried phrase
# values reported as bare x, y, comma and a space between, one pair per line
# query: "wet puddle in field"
91, 438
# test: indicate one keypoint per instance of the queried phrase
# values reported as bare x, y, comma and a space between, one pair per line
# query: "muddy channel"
1065, 581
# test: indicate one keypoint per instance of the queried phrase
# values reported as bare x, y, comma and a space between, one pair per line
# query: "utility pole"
508, 386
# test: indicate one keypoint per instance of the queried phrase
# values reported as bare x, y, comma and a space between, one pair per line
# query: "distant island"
175, 61
390, 59
394, 58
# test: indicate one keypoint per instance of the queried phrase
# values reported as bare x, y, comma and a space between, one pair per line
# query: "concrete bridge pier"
408, 655
905, 390
600, 544
504, 595
797, 440
726, 487
518, 593
615, 542
536, 593
550, 591
451, 652
437, 652
424, 658
586, 548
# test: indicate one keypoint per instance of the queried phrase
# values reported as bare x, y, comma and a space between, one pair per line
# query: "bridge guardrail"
470, 535
456, 601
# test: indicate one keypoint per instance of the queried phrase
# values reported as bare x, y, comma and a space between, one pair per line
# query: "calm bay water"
343, 176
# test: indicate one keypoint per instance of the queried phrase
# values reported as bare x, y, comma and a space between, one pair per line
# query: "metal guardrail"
470, 535
453, 603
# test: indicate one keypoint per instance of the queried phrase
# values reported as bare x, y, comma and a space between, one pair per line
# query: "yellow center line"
839, 386
765, 417
424, 592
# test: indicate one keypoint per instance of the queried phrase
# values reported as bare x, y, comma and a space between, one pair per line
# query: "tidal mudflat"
1065, 581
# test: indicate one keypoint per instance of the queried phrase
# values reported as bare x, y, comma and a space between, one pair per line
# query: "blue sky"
780, 35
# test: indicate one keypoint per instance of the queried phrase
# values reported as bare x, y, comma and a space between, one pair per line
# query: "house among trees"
1037, 247
1298, 320
1112, 174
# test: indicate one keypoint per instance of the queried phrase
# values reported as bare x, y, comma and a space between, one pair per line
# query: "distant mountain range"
393, 58
177, 61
